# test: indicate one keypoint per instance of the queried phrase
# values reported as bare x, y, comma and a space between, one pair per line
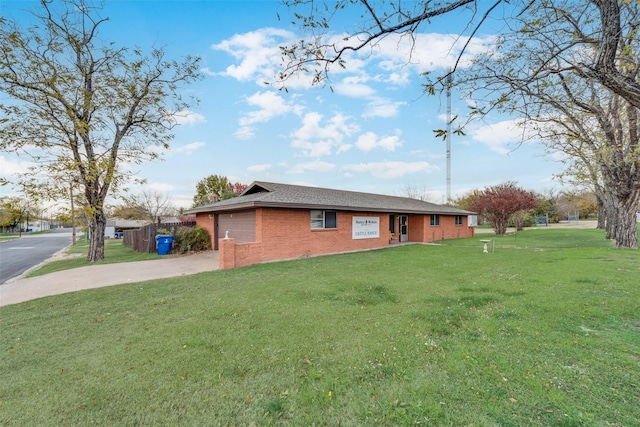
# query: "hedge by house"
191, 239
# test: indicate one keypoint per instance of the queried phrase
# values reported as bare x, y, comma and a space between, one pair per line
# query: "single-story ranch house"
271, 221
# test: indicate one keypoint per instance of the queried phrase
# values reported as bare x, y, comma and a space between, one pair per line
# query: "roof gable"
255, 187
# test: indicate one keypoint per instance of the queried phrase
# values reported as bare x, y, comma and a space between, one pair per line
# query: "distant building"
35, 225
116, 226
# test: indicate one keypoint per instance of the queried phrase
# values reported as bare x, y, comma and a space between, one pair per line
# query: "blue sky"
373, 132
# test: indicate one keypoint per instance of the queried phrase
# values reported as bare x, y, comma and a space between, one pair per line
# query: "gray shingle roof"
270, 194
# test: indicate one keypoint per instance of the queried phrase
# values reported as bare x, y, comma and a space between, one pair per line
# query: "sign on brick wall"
365, 227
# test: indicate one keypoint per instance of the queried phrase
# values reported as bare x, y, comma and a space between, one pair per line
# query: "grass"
541, 238
8, 236
114, 250
544, 332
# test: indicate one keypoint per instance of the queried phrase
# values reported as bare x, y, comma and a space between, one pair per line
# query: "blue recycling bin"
163, 243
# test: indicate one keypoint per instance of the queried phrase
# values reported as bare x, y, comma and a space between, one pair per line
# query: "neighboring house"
271, 221
110, 229
35, 225
169, 220
116, 226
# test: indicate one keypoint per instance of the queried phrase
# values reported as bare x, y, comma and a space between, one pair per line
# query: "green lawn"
114, 251
544, 332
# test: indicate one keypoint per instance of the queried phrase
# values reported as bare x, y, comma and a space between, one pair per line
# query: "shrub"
163, 232
191, 239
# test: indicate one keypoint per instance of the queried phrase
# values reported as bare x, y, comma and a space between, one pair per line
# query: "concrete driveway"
96, 276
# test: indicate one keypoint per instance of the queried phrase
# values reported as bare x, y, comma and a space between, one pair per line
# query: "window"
458, 219
392, 223
435, 219
324, 219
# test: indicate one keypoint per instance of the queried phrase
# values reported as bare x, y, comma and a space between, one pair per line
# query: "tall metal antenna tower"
448, 137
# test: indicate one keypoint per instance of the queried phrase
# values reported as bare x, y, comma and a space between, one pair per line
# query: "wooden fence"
144, 239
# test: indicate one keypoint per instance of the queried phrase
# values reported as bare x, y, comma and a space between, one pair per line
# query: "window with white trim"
324, 219
435, 219
458, 219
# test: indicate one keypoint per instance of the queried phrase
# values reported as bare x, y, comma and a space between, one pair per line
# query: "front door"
404, 228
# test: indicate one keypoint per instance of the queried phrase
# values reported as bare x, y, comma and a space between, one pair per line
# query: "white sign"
472, 220
365, 227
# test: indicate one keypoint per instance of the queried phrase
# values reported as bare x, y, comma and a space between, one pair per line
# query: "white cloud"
316, 139
314, 149
270, 106
10, 167
207, 71
258, 52
498, 136
390, 170
260, 168
182, 200
259, 58
369, 141
159, 187
343, 148
188, 118
245, 132
381, 107
353, 87
315, 166
189, 148
426, 52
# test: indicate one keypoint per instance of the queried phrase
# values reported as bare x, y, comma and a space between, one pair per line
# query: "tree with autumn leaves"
499, 203
215, 188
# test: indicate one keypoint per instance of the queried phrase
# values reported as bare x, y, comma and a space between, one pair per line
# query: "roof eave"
266, 204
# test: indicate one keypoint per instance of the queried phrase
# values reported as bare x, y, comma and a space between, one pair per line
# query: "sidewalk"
96, 276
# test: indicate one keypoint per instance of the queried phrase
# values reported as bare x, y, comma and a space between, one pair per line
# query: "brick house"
271, 221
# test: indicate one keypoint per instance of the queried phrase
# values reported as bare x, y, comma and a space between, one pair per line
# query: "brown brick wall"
248, 253
287, 233
446, 230
207, 223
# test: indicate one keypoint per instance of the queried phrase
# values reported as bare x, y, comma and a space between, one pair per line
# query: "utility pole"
449, 135
73, 215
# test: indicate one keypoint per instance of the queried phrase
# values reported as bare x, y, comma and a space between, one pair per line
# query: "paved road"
19, 255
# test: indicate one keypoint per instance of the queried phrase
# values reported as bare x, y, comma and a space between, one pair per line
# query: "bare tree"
562, 105
155, 204
415, 191
555, 57
602, 26
82, 107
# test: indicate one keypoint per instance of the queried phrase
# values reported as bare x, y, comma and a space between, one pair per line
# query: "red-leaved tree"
237, 187
500, 202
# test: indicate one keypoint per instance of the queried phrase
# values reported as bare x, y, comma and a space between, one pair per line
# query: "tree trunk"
611, 216
499, 226
626, 226
602, 211
97, 226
